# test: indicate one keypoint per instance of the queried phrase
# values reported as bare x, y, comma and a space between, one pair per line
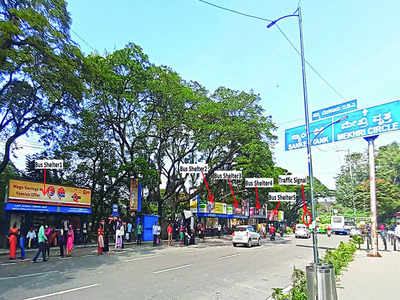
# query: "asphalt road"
211, 270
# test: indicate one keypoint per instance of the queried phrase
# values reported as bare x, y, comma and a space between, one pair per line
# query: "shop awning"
47, 208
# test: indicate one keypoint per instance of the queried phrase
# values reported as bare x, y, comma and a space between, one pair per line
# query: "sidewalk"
83, 249
371, 278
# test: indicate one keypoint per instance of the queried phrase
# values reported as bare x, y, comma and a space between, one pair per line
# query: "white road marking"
63, 292
228, 256
143, 257
28, 275
251, 287
171, 269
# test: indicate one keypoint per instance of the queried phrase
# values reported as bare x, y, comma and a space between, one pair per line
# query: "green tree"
40, 70
356, 185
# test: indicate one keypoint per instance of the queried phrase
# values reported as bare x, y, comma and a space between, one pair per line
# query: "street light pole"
307, 121
352, 183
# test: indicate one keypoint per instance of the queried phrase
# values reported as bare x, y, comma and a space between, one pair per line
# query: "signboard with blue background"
364, 122
334, 110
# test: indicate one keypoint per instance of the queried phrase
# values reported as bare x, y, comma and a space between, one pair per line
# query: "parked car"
302, 231
355, 231
245, 235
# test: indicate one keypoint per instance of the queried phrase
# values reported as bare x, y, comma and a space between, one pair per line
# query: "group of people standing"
46, 238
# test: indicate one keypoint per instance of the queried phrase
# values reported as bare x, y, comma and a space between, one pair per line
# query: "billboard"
229, 209
21, 191
203, 207
135, 196
194, 203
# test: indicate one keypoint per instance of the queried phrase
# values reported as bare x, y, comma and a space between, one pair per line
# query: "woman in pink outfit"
70, 240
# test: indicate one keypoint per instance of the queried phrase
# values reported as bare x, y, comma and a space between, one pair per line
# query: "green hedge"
339, 258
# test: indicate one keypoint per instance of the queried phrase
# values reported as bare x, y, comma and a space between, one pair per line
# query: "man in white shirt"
397, 231
122, 234
155, 233
158, 234
30, 237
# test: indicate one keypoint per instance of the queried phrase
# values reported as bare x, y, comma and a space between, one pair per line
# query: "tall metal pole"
352, 184
309, 157
372, 187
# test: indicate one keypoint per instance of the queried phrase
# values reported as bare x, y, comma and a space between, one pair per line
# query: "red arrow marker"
44, 182
276, 209
306, 219
235, 203
210, 196
258, 205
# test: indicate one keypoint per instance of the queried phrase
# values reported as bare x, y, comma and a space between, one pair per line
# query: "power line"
82, 39
285, 36
235, 11
309, 64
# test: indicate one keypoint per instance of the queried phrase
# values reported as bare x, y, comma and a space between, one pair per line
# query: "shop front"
58, 207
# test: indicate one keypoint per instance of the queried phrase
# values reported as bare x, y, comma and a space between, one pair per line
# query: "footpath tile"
371, 278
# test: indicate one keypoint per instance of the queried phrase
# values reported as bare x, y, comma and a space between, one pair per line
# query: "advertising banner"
219, 208
194, 203
47, 208
252, 210
203, 207
21, 191
280, 215
229, 209
135, 196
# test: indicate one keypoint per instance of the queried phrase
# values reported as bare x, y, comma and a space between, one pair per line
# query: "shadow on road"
319, 247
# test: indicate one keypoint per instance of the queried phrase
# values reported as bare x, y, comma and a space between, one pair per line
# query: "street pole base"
373, 255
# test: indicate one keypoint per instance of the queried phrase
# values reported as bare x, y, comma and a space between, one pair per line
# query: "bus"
341, 224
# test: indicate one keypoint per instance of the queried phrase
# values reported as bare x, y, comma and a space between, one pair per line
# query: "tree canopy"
353, 184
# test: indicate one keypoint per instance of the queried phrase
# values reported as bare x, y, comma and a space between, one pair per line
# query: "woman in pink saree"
70, 240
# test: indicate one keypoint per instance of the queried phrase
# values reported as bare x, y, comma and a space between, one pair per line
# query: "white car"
245, 235
302, 231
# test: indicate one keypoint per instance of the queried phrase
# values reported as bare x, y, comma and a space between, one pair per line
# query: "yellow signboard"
193, 205
219, 208
21, 191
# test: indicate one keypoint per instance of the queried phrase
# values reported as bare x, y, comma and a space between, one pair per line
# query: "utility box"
147, 222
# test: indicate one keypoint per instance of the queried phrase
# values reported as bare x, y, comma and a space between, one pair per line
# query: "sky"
354, 45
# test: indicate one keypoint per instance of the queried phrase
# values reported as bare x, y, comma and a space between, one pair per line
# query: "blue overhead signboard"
296, 138
369, 121
334, 110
